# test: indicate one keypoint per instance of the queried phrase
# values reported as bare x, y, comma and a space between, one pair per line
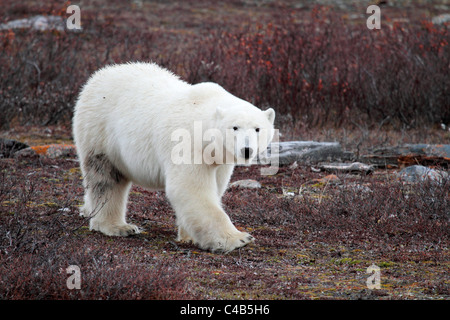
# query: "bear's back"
135, 75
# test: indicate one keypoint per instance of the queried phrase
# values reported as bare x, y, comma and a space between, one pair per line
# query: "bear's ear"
270, 114
220, 113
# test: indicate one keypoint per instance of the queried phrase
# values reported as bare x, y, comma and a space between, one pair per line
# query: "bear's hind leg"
106, 194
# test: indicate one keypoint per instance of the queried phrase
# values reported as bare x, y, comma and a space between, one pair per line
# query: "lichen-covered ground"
315, 239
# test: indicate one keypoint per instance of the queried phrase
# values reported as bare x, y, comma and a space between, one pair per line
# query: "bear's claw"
233, 243
116, 230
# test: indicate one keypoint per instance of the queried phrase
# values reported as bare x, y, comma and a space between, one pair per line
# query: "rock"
39, 22
418, 173
8, 147
61, 150
55, 150
246, 184
288, 152
52, 151
26, 153
355, 167
441, 19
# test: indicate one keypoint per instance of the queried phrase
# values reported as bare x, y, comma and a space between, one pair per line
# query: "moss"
347, 261
385, 264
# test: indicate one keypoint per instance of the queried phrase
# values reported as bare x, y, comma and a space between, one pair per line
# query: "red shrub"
319, 70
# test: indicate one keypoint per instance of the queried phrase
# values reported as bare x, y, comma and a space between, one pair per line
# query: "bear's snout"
247, 152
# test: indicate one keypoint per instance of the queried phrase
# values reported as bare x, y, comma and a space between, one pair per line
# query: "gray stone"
26, 153
441, 19
8, 147
60, 151
246, 184
39, 22
419, 173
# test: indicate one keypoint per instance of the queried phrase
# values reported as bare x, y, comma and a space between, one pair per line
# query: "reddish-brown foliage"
315, 67
301, 239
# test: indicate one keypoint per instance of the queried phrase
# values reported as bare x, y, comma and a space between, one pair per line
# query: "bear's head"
247, 131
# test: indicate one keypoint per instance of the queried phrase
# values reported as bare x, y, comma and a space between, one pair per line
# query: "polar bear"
123, 126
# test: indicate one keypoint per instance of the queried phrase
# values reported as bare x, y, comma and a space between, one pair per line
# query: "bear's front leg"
200, 217
214, 231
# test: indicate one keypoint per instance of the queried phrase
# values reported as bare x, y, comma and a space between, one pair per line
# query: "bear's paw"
121, 230
235, 241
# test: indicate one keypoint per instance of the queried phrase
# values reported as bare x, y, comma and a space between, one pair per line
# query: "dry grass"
316, 244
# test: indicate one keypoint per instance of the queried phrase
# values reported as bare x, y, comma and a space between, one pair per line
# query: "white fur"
122, 126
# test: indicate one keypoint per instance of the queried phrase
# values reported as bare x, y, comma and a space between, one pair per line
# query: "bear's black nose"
247, 152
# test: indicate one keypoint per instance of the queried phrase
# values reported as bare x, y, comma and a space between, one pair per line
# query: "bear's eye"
235, 128
257, 129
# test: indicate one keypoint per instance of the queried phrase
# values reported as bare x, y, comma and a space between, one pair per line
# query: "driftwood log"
311, 152
354, 167
410, 154
287, 152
